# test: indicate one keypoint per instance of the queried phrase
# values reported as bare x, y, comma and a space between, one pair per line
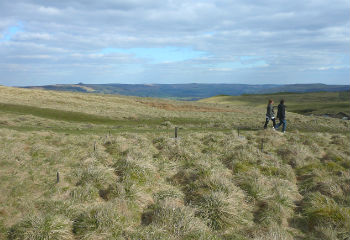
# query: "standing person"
281, 115
270, 114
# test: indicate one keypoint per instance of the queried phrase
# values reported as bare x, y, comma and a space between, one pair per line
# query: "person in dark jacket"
270, 114
281, 115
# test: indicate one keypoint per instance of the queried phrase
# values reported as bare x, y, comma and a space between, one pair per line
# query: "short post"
262, 145
176, 132
238, 131
94, 146
57, 177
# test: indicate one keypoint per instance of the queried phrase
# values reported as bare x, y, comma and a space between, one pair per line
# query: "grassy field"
123, 175
320, 103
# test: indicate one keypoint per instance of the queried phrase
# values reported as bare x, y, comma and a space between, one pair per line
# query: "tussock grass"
273, 233
169, 193
95, 174
279, 206
328, 233
223, 211
295, 154
101, 221
42, 227
255, 185
174, 218
321, 210
139, 182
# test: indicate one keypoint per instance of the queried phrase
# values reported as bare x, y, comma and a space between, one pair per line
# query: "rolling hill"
98, 166
333, 104
190, 91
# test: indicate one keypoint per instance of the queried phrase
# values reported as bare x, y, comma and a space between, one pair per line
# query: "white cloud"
32, 36
48, 10
34, 56
221, 69
289, 36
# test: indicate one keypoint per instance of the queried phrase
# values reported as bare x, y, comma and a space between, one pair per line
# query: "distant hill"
305, 88
192, 91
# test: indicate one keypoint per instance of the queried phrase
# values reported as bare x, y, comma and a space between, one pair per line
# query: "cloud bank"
174, 41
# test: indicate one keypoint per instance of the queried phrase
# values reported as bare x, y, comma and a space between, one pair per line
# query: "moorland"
327, 104
98, 166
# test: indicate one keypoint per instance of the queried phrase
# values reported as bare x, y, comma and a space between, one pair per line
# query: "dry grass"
137, 182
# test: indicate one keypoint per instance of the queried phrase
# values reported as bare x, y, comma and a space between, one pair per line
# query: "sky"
174, 41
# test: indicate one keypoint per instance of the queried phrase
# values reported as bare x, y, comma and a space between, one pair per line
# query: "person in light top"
270, 114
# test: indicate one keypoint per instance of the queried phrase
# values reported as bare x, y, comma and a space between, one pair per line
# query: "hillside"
301, 88
93, 166
334, 104
190, 91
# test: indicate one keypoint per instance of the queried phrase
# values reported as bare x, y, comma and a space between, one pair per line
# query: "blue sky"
11, 31
181, 41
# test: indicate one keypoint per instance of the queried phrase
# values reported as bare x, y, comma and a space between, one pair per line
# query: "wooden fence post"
262, 145
94, 146
176, 132
57, 177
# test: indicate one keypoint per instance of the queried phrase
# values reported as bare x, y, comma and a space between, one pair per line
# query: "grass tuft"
42, 227
321, 210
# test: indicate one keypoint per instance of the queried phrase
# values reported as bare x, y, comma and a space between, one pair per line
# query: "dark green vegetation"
124, 176
301, 88
190, 91
55, 114
334, 104
79, 117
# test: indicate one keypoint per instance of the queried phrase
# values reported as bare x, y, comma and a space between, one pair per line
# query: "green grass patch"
322, 210
80, 117
318, 103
